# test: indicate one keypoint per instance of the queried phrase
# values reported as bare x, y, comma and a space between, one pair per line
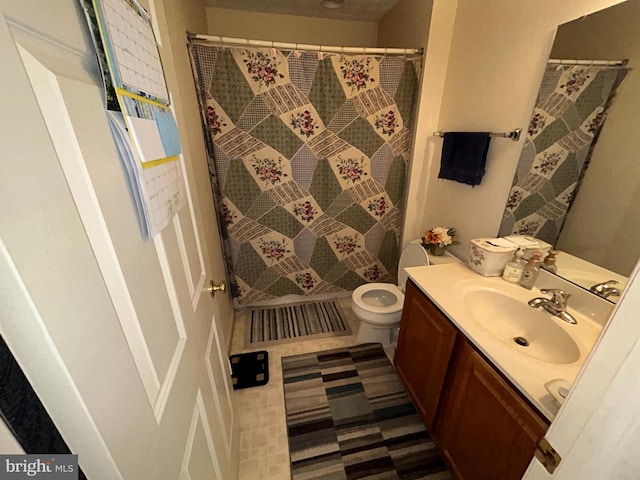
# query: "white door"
597, 430
117, 335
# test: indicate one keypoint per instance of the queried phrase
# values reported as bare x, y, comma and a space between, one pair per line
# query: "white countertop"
446, 285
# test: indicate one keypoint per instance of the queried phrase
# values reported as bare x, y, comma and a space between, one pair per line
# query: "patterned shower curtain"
308, 157
571, 107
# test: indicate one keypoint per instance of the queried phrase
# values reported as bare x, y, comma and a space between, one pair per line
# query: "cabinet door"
485, 429
425, 344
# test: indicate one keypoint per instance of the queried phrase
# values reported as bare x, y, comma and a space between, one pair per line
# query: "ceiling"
362, 10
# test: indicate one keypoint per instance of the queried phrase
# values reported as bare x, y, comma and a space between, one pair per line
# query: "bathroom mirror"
599, 235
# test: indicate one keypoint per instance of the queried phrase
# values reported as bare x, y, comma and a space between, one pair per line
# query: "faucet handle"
558, 296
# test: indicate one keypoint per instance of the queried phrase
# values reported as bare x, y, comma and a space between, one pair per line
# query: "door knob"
213, 288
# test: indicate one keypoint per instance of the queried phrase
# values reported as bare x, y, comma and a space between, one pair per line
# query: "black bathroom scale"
249, 369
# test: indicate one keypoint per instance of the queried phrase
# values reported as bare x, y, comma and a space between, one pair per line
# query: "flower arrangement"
437, 239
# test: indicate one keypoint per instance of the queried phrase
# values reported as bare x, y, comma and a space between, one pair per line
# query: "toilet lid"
412, 256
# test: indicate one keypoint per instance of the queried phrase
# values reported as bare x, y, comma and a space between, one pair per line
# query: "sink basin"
507, 319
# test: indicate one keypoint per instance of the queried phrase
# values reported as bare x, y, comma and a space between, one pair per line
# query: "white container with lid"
488, 256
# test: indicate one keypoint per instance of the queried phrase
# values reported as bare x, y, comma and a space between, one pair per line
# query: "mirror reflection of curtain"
308, 158
570, 110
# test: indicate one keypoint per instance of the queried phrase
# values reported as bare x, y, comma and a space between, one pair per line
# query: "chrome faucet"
556, 305
605, 289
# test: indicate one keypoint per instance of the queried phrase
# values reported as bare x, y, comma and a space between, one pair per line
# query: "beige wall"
498, 51
174, 18
603, 225
432, 84
406, 25
290, 28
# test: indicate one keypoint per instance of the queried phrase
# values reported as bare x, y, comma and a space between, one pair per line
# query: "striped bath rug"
349, 417
290, 323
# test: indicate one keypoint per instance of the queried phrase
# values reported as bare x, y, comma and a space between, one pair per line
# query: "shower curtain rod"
246, 42
595, 63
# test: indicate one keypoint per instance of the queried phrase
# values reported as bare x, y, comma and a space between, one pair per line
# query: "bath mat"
290, 323
249, 369
349, 417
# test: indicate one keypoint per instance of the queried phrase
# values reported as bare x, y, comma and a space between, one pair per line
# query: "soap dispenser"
549, 263
513, 270
531, 271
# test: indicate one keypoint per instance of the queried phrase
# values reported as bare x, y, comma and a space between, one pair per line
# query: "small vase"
436, 250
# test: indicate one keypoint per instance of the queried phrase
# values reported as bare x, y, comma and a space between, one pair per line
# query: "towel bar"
513, 135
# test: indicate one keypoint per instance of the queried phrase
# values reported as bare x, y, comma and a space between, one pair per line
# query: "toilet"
379, 305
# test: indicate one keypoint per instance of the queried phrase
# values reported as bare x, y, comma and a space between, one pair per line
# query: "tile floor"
264, 452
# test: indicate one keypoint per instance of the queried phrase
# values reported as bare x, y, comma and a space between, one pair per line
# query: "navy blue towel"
464, 155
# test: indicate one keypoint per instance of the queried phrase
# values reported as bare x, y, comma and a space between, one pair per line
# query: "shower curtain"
571, 107
307, 159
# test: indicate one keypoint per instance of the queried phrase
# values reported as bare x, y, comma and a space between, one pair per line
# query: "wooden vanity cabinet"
425, 343
484, 427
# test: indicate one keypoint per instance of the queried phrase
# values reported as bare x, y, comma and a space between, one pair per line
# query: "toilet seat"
379, 305
376, 305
